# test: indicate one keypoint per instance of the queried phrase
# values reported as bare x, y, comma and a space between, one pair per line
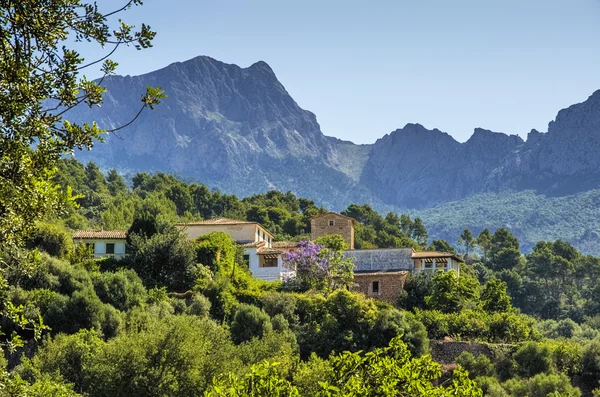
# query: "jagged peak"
482, 134
263, 66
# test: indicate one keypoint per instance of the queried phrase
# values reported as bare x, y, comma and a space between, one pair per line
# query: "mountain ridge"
239, 130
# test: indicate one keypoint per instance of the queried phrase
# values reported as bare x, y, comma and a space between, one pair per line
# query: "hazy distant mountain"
239, 130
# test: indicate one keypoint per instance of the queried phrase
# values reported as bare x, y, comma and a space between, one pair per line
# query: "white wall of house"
241, 232
266, 273
100, 247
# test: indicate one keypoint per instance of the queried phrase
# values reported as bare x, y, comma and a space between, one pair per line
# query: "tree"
416, 287
504, 250
392, 371
494, 297
164, 259
484, 240
41, 82
249, 322
441, 246
533, 358
318, 267
51, 238
115, 183
467, 241
418, 231
333, 242
405, 224
450, 293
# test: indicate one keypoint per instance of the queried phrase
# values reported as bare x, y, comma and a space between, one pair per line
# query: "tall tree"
115, 182
418, 231
466, 240
484, 240
40, 75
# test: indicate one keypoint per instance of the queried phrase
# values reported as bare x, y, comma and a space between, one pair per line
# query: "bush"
165, 259
591, 360
216, 251
390, 323
275, 303
249, 322
533, 358
50, 238
543, 385
416, 287
199, 306
122, 289
308, 374
477, 367
568, 357
490, 386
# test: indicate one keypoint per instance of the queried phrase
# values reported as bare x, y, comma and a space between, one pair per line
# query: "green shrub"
533, 358
50, 238
199, 306
477, 366
591, 360
249, 322
122, 289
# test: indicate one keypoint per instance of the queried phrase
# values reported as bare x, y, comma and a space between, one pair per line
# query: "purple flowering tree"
318, 267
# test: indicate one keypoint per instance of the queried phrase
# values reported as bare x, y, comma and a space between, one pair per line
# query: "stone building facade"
381, 273
385, 286
331, 223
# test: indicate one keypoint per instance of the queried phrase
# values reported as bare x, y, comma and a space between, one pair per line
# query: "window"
331, 223
375, 288
110, 248
247, 260
270, 262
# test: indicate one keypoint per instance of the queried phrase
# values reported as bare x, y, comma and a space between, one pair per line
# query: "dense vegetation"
529, 215
185, 318
179, 317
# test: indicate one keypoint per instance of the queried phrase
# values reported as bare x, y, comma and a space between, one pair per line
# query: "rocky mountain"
232, 128
239, 130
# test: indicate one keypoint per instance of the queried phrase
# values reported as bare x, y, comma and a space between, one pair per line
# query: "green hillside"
530, 216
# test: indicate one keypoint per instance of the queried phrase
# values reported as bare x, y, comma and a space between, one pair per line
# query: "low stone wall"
445, 352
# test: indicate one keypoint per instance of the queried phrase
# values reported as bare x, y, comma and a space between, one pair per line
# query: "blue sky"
366, 68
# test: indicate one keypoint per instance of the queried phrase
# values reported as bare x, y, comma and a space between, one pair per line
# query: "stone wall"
390, 285
330, 223
445, 352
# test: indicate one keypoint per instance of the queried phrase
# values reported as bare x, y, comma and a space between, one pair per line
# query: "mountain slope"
233, 128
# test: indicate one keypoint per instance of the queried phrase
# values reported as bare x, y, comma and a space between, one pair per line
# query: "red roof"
218, 221
100, 234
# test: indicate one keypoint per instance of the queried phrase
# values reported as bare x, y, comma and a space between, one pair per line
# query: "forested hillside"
530, 216
160, 322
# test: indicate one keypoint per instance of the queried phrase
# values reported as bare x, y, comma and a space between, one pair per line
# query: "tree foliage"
41, 77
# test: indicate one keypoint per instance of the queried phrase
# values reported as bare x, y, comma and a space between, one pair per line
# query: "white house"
104, 243
263, 256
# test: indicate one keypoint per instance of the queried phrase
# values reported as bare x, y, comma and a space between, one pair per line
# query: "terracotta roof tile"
217, 221
105, 234
286, 244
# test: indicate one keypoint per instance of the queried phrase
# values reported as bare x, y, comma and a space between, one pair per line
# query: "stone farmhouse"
378, 273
